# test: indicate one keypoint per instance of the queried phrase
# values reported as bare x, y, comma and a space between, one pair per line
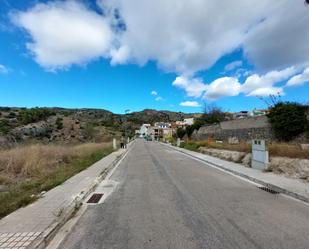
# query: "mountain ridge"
74, 125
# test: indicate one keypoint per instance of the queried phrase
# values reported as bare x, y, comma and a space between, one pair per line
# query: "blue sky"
116, 56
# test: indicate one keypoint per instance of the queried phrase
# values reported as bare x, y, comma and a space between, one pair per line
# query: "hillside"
71, 126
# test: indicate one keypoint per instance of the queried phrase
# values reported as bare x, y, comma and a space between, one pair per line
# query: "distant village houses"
162, 130
165, 131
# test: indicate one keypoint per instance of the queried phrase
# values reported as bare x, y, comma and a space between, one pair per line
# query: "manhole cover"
269, 190
95, 198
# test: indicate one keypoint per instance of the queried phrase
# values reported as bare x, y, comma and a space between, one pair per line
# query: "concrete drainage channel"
104, 189
95, 198
271, 191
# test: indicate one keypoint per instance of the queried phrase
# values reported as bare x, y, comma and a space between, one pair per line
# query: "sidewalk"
281, 184
31, 226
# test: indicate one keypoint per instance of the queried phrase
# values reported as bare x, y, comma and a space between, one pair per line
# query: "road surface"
165, 199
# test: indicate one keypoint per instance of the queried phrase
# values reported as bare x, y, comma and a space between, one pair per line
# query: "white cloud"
66, 33
263, 85
266, 91
299, 79
231, 66
281, 39
154, 93
222, 87
167, 32
120, 56
254, 85
3, 69
194, 87
190, 104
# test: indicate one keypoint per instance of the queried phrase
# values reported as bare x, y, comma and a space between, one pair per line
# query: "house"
184, 123
188, 121
241, 114
156, 133
144, 130
256, 113
162, 125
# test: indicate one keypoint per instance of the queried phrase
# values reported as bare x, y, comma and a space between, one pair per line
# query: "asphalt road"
165, 199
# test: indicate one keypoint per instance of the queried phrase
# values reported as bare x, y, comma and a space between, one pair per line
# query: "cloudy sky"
136, 54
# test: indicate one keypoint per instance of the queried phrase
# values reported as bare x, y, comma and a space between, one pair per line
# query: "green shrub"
33, 115
59, 123
12, 115
288, 120
190, 146
89, 131
5, 126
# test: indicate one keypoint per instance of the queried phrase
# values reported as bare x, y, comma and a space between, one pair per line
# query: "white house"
144, 130
188, 121
162, 125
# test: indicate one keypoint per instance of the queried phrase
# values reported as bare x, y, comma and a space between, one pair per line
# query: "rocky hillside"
60, 125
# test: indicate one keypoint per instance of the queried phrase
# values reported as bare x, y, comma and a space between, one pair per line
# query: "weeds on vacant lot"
195, 145
288, 150
29, 170
275, 149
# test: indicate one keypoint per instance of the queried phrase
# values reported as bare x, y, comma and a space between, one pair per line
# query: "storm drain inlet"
95, 198
269, 190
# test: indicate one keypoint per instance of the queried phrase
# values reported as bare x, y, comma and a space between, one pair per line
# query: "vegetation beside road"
275, 149
289, 120
26, 171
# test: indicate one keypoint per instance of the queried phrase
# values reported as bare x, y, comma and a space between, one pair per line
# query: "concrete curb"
253, 179
43, 240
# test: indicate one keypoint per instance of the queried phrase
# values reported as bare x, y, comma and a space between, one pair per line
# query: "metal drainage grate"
269, 190
95, 198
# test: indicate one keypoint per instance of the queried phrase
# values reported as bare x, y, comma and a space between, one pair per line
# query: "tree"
288, 120
189, 130
181, 132
198, 123
213, 114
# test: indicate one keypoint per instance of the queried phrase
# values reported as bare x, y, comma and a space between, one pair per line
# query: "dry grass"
275, 149
35, 161
242, 147
28, 170
288, 150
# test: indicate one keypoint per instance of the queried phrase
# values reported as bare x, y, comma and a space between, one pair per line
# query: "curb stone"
253, 179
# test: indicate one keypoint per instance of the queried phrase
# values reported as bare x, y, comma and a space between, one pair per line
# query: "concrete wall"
241, 129
248, 123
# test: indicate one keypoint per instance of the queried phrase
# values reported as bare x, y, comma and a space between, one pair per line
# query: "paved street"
165, 199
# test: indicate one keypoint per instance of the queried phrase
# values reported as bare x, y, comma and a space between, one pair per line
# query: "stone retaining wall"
241, 129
